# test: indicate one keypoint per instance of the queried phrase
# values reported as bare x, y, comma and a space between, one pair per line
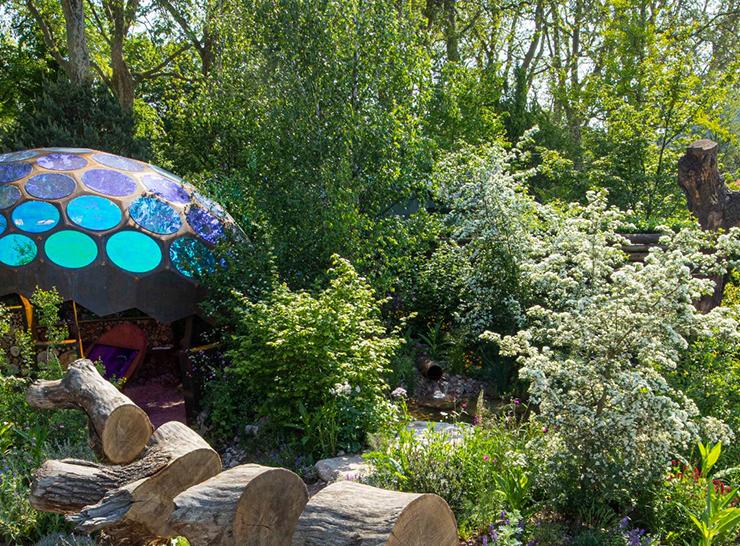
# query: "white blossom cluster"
599, 339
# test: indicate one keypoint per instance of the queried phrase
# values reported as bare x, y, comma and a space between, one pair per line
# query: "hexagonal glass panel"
166, 188
205, 224
3, 224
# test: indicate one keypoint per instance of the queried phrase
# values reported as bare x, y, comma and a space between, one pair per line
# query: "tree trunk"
708, 197
138, 511
249, 505
119, 428
348, 514
78, 68
714, 204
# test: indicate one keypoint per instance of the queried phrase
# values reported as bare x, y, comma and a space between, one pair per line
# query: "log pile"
171, 485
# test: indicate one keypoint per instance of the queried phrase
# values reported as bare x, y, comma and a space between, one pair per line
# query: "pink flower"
486, 458
545, 429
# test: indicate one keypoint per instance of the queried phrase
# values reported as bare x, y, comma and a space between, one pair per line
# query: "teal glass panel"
93, 212
17, 250
3, 224
35, 216
191, 257
155, 215
71, 249
133, 251
17, 156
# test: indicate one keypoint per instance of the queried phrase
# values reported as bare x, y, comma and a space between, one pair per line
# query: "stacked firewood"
153, 485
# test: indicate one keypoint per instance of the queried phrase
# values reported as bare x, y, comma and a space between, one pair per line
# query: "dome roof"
110, 232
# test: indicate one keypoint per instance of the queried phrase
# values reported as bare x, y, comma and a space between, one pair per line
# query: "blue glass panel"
133, 251
10, 172
71, 249
109, 182
17, 250
118, 162
17, 156
164, 187
205, 224
3, 223
93, 212
61, 162
35, 216
155, 215
50, 185
191, 257
8, 196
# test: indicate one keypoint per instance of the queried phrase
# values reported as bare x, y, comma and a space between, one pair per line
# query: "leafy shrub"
597, 346
315, 363
479, 477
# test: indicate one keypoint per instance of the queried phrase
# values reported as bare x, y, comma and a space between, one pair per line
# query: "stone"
454, 432
349, 467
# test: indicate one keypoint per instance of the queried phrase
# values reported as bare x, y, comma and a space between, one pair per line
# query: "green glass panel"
17, 250
71, 249
133, 251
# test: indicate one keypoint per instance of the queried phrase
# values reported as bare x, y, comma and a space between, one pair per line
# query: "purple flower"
517, 401
485, 540
624, 522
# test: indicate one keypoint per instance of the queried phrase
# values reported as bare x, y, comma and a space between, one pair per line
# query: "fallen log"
347, 513
138, 511
249, 505
67, 486
426, 366
119, 429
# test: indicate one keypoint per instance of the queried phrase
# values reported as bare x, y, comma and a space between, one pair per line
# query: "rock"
251, 430
446, 393
349, 467
455, 432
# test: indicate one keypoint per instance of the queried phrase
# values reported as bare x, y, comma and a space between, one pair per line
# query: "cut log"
138, 511
249, 505
67, 486
348, 513
119, 429
426, 366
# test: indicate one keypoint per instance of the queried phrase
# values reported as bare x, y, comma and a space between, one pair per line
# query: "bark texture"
119, 429
139, 511
714, 204
347, 513
249, 505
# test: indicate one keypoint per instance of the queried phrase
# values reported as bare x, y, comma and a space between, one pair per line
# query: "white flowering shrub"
475, 277
598, 342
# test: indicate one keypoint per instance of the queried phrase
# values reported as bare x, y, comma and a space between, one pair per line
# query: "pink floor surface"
161, 402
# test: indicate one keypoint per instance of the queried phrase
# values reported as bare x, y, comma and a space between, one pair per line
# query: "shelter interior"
152, 362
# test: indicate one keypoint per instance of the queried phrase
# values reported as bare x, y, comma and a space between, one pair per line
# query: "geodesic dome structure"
110, 233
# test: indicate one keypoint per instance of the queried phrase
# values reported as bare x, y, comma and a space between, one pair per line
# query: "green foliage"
78, 116
46, 304
479, 477
314, 364
720, 517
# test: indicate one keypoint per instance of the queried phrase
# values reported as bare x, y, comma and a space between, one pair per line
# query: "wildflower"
624, 522
486, 458
485, 540
399, 392
517, 401
545, 429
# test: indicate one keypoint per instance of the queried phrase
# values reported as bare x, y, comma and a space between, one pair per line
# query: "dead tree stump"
347, 513
715, 205
119, 429
138, 511
249, 505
